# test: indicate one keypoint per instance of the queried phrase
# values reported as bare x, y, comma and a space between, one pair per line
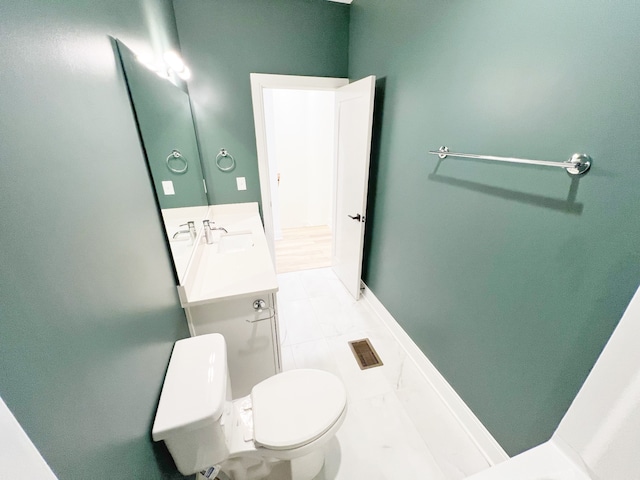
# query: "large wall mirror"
165, 124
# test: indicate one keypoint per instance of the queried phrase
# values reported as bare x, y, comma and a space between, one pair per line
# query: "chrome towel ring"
224, 154
176, 155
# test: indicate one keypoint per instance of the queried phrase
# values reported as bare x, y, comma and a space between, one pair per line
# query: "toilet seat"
295, 408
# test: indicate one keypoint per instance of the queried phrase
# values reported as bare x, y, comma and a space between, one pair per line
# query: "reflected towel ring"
176, 155
225, 154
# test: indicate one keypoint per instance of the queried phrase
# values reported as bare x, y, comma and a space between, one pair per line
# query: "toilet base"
306, 467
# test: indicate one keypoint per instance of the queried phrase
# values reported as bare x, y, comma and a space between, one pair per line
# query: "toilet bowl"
287, 418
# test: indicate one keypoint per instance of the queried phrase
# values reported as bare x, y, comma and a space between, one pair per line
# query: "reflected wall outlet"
242, 183
167, 187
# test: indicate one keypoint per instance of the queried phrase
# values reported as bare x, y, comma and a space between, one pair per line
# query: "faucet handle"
190, 224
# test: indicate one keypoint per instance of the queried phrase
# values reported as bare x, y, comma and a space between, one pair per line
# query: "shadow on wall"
568, 206
166, 463
374, 165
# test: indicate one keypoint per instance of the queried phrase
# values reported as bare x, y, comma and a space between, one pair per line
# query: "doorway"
300, 128
294, 120
353, 121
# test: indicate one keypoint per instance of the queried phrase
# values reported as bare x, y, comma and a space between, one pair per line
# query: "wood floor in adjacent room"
303, 249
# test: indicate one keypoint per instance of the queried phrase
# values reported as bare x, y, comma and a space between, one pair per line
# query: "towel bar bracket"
581, 163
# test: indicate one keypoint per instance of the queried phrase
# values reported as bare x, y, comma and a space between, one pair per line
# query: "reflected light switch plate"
242, 183
167, 187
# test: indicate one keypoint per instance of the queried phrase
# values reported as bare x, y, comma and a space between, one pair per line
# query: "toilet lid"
296, 407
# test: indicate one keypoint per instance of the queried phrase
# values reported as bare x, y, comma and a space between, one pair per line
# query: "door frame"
259, 82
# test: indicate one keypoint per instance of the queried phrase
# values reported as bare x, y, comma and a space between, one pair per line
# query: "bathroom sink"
235, 242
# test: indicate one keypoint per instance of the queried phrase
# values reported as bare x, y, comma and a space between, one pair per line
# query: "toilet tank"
192, 402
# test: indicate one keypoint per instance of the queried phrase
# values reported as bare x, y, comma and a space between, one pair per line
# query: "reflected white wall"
300, 136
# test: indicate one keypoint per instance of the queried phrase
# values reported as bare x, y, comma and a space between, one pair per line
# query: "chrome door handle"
357, 217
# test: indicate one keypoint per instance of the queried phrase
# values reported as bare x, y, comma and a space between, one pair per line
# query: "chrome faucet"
209, 229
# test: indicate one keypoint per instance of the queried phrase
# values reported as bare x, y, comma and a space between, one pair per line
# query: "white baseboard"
478, 433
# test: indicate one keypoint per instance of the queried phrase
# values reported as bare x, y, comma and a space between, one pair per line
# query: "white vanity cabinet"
220, 288
252, 337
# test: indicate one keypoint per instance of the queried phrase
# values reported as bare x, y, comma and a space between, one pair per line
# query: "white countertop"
212, 276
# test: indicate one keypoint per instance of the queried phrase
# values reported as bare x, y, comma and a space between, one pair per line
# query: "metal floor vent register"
365, 354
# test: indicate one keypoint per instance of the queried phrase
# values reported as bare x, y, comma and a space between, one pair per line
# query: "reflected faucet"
179, 232
191, 230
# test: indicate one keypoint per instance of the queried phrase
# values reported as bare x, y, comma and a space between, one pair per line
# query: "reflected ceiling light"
175, 62
149, 62
185, 74
172, 63
159, 68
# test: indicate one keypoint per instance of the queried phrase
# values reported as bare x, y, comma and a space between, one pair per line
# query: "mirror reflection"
165, 124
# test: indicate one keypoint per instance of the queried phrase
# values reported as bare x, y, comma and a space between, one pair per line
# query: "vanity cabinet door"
251, 336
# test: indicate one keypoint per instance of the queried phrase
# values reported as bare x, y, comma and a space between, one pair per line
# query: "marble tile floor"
396, 427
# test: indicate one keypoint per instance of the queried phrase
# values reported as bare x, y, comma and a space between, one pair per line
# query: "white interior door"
354, 120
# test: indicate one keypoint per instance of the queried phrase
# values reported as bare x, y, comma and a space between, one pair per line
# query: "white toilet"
287, 418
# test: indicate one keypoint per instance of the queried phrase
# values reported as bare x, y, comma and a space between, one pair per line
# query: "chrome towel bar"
578, 164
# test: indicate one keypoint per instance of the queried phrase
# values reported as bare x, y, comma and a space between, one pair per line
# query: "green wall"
224, 41
88, 305
510, 278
